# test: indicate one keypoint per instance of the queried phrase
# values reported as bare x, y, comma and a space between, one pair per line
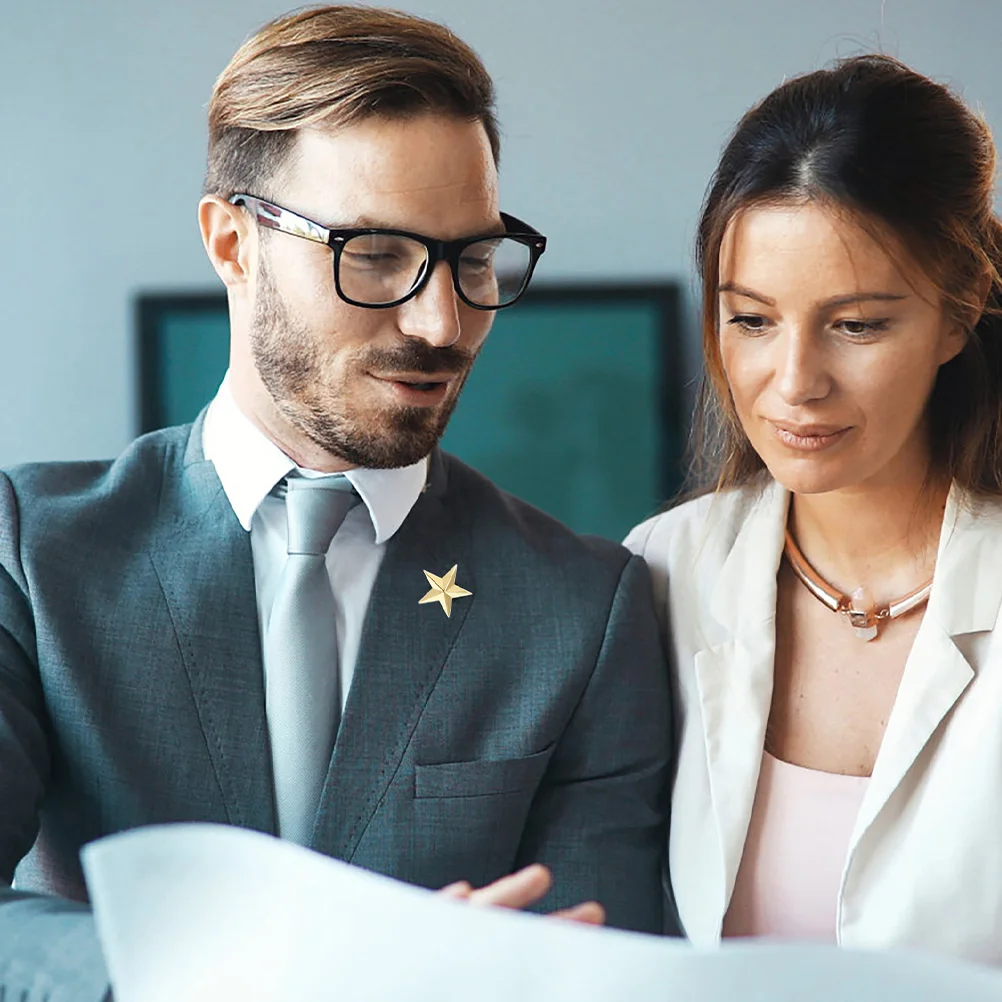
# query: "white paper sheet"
206, 912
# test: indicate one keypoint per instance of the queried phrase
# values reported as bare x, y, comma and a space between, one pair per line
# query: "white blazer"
924, 866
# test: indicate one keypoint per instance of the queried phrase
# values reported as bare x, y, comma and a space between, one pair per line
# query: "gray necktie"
303, 692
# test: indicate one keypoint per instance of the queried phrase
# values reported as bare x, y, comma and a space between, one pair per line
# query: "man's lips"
808, 437
418, 379
415, 389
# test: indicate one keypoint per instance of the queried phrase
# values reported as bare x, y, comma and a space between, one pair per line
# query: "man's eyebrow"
846, 300
369, 223
361, 223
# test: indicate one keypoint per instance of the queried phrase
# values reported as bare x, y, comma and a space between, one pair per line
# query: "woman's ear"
226, 236
956, 338
953, 343
979, 299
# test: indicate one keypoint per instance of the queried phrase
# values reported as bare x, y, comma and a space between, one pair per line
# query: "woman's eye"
861, 328
748, 322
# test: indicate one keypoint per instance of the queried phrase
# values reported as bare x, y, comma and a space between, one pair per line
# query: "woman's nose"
800, 367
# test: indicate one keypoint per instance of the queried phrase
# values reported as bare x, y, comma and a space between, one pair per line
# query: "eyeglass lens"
378, 268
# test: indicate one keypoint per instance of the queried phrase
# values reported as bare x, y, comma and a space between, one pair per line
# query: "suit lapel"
205, 567
935, 675
734, 680
403, 650
965, 599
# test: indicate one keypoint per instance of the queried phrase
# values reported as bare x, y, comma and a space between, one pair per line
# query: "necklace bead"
866, 621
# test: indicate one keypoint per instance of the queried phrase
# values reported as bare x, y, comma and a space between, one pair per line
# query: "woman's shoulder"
690, 525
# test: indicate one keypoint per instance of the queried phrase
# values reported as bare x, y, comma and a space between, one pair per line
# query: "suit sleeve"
48, 946
599, 819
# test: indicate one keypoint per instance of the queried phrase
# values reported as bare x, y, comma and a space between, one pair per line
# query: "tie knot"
315, 509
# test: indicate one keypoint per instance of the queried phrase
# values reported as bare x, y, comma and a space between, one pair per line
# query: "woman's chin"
810, 476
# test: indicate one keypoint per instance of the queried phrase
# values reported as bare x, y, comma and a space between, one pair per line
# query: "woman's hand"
521, 889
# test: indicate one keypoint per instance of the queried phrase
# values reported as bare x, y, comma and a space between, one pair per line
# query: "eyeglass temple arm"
277, 218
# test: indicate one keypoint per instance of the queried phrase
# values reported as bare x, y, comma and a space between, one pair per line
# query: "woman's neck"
881, 538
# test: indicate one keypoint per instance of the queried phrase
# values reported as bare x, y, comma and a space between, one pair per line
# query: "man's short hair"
331, 67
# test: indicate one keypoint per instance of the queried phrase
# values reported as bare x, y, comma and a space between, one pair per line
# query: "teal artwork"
563, 409
572, 405
195, 352
183, 344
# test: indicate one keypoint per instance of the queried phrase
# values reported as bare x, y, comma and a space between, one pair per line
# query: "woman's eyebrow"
846, 300
861, 297
740, 290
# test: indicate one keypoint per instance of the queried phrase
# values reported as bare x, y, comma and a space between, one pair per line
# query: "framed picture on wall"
574, 404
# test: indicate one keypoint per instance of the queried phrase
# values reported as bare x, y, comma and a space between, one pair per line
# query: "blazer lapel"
206, 571
965, 598
734, 683
403, 649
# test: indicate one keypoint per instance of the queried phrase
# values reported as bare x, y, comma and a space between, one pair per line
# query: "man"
298, 615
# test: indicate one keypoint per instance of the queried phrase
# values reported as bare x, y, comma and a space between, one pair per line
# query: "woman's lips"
808, 438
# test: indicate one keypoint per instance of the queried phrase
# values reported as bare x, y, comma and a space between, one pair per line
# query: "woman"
831, 604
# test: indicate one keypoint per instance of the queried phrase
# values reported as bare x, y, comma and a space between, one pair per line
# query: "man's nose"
801, 370
433, 314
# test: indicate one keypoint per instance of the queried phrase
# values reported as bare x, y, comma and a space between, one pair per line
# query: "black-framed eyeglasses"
379, 268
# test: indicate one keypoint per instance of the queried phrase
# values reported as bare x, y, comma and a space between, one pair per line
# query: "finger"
517, 890
461, 890
587, 913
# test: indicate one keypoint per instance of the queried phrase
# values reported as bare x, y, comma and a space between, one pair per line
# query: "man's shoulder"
43, 491
503, 519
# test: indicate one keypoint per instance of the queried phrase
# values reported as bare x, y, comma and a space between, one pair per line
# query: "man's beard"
290, 360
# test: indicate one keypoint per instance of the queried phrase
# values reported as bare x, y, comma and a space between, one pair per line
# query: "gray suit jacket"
532, 725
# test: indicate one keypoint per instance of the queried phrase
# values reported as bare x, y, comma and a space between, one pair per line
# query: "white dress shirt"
249, 465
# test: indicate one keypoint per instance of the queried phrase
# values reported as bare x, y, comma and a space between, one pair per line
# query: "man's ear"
226, 235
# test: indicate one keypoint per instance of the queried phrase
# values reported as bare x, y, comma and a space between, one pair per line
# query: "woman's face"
829, 347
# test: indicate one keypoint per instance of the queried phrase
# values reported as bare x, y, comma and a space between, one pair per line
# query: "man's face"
374, 388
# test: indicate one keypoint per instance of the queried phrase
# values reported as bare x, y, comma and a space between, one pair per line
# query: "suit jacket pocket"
487, 778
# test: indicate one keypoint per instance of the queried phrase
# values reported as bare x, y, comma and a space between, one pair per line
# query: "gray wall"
613, 113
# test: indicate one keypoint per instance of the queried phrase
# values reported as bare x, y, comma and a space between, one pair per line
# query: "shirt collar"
249, 465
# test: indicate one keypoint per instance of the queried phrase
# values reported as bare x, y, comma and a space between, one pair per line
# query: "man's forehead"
430, 165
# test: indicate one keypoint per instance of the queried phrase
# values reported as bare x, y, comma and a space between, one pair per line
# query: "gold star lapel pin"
444, 589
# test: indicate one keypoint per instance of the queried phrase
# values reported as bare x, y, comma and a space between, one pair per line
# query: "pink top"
791, 869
